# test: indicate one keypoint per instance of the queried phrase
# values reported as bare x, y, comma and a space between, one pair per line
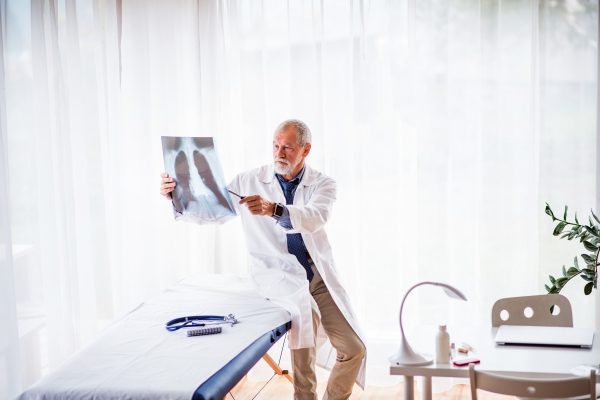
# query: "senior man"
284, 212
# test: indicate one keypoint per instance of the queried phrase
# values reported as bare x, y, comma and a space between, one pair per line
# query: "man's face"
287, 153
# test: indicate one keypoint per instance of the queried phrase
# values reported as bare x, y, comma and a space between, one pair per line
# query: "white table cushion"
137, 358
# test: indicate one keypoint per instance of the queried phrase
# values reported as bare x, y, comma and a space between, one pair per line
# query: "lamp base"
414, 359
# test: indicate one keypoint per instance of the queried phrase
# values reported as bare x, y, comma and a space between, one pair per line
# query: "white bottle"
442, 346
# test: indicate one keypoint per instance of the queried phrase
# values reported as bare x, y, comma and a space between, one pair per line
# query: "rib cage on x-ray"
193, 163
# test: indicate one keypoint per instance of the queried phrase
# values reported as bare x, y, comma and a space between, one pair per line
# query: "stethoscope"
188, 322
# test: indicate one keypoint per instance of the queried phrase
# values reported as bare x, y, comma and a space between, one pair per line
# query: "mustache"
282, 160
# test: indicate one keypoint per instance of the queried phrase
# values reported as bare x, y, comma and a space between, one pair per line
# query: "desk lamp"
405, 354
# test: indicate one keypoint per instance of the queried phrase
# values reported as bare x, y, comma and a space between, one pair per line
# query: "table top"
524, 361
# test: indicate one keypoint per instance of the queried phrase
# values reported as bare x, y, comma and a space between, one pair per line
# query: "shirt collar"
296, 180
267, 175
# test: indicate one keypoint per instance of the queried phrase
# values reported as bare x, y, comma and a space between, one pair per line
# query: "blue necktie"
294, 240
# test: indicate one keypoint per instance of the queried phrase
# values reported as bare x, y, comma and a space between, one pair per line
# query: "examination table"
137, 358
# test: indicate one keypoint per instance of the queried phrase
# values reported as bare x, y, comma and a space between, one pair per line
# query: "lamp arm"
404, 299
405, 354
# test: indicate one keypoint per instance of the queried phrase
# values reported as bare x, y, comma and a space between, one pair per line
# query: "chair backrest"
532, 388
539, 305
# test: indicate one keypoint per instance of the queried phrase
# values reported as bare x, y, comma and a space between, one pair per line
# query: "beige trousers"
350, 349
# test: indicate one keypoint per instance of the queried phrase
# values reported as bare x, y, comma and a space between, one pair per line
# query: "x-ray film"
193, 163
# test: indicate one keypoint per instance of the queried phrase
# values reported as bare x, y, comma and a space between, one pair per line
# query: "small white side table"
523, 361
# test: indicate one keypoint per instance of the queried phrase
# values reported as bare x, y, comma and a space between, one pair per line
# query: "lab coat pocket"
266, 273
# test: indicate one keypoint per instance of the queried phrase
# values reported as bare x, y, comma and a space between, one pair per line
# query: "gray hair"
303, 135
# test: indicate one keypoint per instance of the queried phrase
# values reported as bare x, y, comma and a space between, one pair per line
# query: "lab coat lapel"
277, 191
274, 187
308, 180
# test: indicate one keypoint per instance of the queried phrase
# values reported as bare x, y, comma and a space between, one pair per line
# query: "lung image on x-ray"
193, 163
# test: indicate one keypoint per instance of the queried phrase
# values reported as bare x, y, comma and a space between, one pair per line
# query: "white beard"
283, 169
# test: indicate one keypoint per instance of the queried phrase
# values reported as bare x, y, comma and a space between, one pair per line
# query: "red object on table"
466, 361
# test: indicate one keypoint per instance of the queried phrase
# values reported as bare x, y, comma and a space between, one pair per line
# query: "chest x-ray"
193, 163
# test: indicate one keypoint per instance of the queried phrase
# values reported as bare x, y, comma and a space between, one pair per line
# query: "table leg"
409, 387
277, 369
426, 388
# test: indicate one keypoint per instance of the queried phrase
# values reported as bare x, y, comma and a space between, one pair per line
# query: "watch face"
278, 210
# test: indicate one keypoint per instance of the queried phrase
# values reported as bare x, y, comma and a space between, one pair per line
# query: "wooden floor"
281, 388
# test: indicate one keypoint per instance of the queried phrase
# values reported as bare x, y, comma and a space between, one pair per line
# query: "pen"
241, 197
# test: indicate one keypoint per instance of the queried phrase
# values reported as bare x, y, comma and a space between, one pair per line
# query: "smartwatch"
278, 213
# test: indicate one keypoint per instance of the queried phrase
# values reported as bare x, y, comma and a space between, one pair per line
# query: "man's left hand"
258, 206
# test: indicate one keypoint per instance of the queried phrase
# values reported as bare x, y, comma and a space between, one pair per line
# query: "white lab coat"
276, 273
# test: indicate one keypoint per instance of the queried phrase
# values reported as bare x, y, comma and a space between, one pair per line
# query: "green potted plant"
589, 236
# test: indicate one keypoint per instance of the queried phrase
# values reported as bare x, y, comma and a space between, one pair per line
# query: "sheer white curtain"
446, 123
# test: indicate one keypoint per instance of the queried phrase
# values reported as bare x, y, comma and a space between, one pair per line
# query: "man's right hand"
167, 185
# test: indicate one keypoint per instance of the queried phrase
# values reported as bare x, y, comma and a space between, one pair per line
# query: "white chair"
582, 387
539, 313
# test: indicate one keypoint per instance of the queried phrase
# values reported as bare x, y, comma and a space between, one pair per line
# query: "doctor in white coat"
286, 207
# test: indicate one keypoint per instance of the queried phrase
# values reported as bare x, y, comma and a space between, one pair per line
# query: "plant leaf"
559, 228
566, 234
572, 271
576, 221
590, 230
547, 288
572, 235
588, 259
565, 216
549, 212
589, 246
576, 263
587, 278
552, 279
564, 271
588, 288
561, 281
596, 218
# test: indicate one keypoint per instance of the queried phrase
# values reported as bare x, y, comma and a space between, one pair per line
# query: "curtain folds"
9, 335
446, 123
